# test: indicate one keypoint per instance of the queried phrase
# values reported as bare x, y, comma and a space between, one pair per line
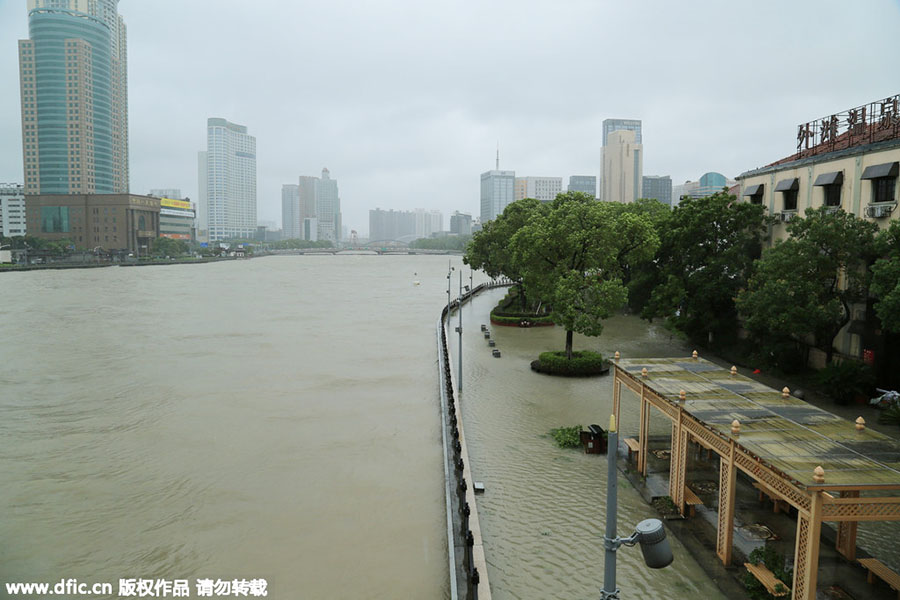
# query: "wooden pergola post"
846, 531
678, 462
725, 528
806, 550
644, 433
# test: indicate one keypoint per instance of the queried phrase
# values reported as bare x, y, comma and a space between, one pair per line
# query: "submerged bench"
633, 447
876, 567
775, 586
691, 500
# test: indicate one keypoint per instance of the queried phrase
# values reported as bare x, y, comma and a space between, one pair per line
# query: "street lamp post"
649, 533
459, 384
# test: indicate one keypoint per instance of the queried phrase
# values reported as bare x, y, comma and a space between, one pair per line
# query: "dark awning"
835, 178
754, 190
882, 170
787, 185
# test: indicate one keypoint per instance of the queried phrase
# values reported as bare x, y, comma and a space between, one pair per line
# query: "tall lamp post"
459, 329
649, 533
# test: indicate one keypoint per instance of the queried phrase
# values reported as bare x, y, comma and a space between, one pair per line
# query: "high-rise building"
291, 223
306, 198
227, 174
583, 183
428, 222
328, 208
610, 125
12, 209
496, 193
392, 225
544, 189
622, 169
657, 187
461, 223
74, 92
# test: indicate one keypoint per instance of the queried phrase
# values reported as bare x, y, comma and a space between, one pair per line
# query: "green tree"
804, 286
450, 242
706, 254
490, 249
569, 257
886, 278
163, 246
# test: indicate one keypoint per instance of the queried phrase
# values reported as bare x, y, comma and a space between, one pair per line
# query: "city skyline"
369, 120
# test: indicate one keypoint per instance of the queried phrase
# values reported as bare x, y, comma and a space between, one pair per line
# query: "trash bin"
594, 440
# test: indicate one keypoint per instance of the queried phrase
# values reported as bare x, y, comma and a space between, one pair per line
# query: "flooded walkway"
543, 511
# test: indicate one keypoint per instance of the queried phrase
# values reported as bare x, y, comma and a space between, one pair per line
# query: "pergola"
828, 468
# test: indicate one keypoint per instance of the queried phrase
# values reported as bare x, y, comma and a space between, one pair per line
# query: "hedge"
582, 363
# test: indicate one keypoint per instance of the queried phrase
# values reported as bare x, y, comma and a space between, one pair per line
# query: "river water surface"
279, 418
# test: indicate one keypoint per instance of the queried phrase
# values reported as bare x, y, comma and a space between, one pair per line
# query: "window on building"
883, 178
788, 189
55, 219
883, 189
790, 199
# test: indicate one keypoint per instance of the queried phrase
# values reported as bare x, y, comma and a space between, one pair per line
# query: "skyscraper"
622, 168
291, 223
610, 125
227, 174
306, 197
328, 208
74, 90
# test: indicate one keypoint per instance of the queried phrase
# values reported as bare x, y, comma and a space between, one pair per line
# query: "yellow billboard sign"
182, 204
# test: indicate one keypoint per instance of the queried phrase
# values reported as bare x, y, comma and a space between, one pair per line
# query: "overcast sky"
405, 101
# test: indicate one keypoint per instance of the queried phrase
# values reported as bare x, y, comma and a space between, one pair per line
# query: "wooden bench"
691, 500
779, 504
633, 447
768, 579
876, 567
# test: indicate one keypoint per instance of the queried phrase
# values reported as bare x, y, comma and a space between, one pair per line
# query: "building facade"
73, 86
497, 192
611, 125
177, 219
657, 187
328, 208
291, 224
461, 223
12, 209
392, 225
586, 184
428, 222
851, 164
307, 188
623, 164
167, 193
228, 178
544, 189
123, 222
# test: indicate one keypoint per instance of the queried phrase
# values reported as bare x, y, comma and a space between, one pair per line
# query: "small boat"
496, 353
492, 343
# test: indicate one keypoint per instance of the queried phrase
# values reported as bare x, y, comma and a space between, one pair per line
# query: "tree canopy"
707, 248
886, 278
804, 286
568, 256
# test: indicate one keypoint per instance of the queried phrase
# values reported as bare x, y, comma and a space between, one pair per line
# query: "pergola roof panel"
784, 432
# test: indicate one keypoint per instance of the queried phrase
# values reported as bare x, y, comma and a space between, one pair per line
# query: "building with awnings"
117, 222
177, 219
849, 160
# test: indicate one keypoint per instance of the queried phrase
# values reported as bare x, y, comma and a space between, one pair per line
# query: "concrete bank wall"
468, 569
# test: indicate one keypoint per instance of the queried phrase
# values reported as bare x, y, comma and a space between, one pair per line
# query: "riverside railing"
464, 547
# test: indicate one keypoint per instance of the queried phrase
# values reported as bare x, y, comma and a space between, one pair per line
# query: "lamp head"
654, 545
